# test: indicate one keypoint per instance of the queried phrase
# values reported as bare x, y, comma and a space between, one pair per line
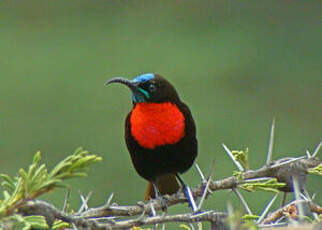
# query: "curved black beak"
130, 84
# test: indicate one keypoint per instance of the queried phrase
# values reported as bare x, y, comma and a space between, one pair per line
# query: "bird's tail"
167, 184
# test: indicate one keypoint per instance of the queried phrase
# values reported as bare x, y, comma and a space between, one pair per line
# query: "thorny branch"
113, 212
88, 223
227, 183
287, 209
113, 216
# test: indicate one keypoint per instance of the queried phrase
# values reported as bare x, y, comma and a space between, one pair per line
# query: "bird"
160, 135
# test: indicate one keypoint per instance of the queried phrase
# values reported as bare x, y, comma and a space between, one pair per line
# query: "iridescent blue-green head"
148, 87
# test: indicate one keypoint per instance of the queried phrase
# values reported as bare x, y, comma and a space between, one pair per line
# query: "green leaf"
37, 158
238, 174
59, 168
38, 222
250, 217
40, 173
36, 181
242, 157
185, 227
18, 193
317, 170
270, 185
6, 195
58, 224
7, 181
23, 174
27, 222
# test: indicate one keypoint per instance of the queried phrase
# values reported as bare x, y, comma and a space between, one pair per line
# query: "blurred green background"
237, 64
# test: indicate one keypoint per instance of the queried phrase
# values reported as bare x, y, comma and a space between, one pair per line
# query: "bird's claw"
163, 203
140, 203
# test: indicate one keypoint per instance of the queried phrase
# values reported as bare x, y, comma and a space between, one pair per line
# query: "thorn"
211, 168
316, 216
84, 205
197, 214
287, 162
152, 210
313, 196
109, 199
191, 226
304, 197
200, 173
268, 206
272, 225
271, 143
191, 199
205, 191
141, 216
120, 208
74, 226
66, 201
242, 200
307, 195
317, 149
239, 166
258, 179
210, 174
279, 220
297, 194
188, 194
232, 223
155, 227
308, 154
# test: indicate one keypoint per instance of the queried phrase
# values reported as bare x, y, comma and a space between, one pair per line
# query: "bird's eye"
152, 87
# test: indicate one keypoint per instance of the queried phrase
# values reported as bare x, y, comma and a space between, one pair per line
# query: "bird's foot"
163, 203
141, 204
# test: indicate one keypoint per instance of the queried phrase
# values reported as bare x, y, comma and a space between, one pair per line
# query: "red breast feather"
156, 124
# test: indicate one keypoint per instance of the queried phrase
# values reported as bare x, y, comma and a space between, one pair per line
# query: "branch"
227, 183
289, 208
112, 216
111, 213
41, 206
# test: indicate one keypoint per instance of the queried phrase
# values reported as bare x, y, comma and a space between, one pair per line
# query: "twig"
280, 212
90, 218
227, 183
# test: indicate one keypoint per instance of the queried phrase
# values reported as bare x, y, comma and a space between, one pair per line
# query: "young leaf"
317, 170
